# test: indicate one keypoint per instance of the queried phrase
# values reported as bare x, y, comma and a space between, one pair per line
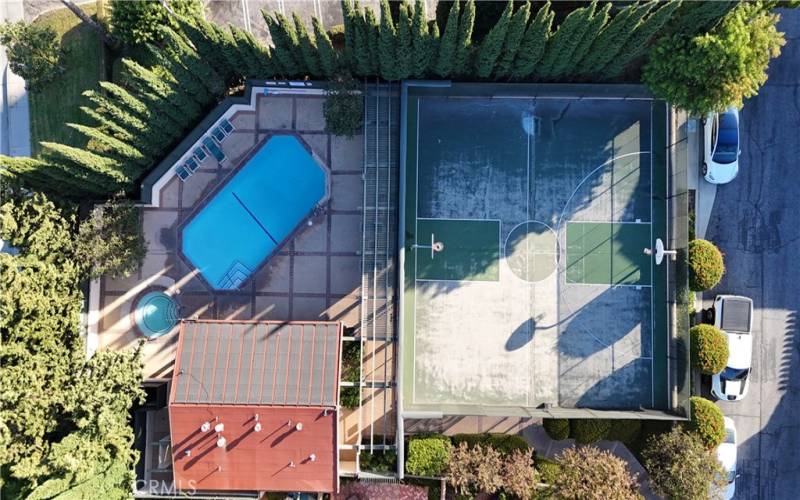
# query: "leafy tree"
405, 50
516, 31
707, 421
464, 39
492, 44
420, 43
33, 52
709, 348
519, 476
639, 42
343, 108
589, 473
713, 71
447, 47
308, 46
533, 43
681, 467
475, 469
328, 57
428, 456
387, 44
110, 240
564, 41
139, 22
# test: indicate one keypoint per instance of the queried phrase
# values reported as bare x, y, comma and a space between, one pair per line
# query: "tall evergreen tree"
204, 36
108, 125
349, 52
287, 50
40, 176
419, 40
261, 55
373, 40
564, 41
592, 31
328, 57
147, 85
492, 44
611, 39
130, 123
447, 46
405, 50
177, 47
308, 46
100, 172
254, 56
361, 63
516, 30
387, 44
234, 67
639, 42
533, 43
180, 79
463, 54
125, 100
694, 18
433, 44
113, 148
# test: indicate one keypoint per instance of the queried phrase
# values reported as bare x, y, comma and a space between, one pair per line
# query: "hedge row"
428, 453
591, 430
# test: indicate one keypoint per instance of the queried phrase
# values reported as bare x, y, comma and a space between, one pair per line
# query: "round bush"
707, 421
709, 349
706, 265
624, 430
556, 428
589, 430
428, 456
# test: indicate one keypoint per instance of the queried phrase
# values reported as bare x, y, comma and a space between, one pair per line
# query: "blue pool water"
155, 314
256, 210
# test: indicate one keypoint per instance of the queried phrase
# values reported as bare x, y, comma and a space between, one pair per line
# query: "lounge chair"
192, 165
182, 172
218, 134
213, 149
200, 154
226, 126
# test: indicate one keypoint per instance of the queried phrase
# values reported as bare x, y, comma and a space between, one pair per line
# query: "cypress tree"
130, 123
387, 44
328, 57
516, 30
373, 40
158, 113
639, 41
38, 175
464, 41
533, 43
694, 18
447, 46
251, 64
113, 147
157, 94
405, 51
235, 65
593, 30
419, 40
349, 53
433, 44
99, 171
287, 47
492, 44
109, 126
563, 42
308, 46
205, 39
361, 63
180, 80
261, 54
126, 101
609, 42
181, 52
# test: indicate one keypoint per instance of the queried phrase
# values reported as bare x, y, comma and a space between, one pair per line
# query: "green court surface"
608, 253
471, 250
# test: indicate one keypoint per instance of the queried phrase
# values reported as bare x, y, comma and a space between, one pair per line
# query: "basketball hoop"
660, 252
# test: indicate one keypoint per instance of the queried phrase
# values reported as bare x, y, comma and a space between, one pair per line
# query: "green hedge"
589, 430
348, 397
556, 428
378, 461
706, 265
707, 421
709, 348
624, 430
504, 443
428, 456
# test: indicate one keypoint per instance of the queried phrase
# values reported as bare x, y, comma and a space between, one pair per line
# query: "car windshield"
734, 373
727, 147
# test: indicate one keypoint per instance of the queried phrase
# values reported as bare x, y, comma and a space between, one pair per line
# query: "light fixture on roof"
219, 427
257, 428
255, 417
289, 423
312, 457
188, 453
221, 442
291, 465
325, 412
205, 427
299, 426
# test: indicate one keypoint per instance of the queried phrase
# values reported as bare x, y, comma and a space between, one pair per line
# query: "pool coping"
320, 207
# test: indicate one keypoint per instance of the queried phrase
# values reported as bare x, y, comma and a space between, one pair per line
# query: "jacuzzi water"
155, 314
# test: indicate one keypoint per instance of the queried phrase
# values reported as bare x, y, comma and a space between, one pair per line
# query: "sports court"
526, 215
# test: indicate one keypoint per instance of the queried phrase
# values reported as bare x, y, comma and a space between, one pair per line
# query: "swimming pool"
254, 212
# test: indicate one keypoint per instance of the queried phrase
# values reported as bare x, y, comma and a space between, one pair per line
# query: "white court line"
456, 219
652, 295
605, 222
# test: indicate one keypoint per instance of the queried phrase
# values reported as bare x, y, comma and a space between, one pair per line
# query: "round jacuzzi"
155, 314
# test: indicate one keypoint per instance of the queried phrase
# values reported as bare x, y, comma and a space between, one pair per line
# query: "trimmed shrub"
378, 461
707, 422
589, 430
556, 428
548, 470
624, 430
428, 456
504, 443
706, 265
588, 472
709, 349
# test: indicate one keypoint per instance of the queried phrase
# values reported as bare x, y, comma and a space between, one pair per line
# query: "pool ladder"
235, 276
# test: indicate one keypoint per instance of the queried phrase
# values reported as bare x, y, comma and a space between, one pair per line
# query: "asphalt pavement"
756, 223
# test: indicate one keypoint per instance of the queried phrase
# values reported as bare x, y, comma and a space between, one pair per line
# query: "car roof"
736, 314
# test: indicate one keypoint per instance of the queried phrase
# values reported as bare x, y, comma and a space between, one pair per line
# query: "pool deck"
316, 275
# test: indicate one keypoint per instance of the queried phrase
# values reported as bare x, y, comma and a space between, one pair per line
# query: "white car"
721, 146
726, 454
734, 316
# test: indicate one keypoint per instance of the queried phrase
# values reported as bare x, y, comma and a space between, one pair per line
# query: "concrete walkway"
15, 137
541, 442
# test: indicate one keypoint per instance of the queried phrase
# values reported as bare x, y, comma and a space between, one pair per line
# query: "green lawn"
59, 102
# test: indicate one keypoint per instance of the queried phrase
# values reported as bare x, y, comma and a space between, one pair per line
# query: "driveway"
756, 223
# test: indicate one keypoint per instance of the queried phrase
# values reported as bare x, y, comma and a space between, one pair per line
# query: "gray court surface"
532, 336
